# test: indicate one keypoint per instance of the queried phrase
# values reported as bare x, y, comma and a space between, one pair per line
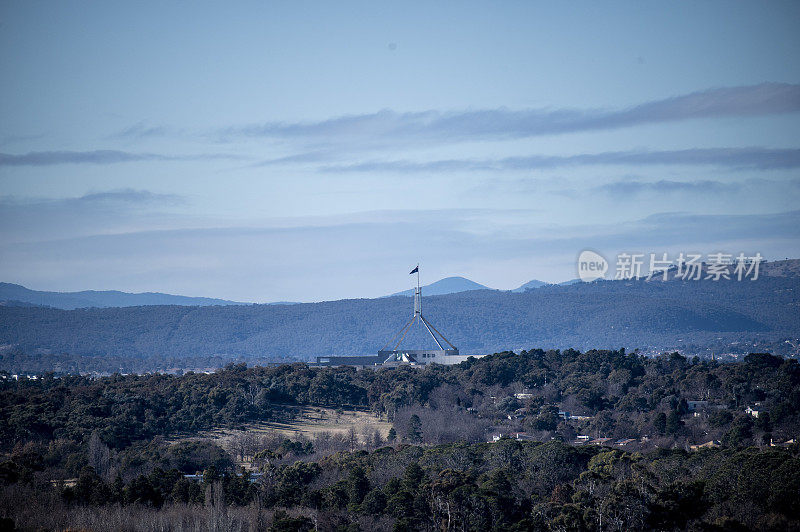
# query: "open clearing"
309, 422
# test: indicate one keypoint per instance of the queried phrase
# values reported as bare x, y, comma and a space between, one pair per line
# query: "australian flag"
415, 270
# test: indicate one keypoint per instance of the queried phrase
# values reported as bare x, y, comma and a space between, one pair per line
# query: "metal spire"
433, 331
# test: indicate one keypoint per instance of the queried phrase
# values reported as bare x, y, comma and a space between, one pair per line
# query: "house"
626, 441
697, 405
523, 395
752, 411
600, 441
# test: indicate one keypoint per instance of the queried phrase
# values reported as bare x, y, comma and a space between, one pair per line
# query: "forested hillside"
693, 316
103, 454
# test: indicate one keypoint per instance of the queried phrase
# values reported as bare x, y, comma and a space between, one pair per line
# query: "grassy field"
313, 420
308, 423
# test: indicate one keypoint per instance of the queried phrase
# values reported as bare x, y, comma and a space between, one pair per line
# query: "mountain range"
695, 317
15, 295
455, 285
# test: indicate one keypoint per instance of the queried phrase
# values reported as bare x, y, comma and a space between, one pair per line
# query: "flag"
415, 270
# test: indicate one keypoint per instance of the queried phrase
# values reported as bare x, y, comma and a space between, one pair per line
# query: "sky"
304, 151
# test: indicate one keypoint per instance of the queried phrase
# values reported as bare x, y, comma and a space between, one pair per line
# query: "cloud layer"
736, 158
762, 99
113, 211
48, 158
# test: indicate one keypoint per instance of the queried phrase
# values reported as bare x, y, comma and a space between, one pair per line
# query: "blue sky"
309, 151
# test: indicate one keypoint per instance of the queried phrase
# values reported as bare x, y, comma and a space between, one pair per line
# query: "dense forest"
699, 317
669, 443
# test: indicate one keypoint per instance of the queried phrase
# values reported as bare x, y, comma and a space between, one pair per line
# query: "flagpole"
419, 292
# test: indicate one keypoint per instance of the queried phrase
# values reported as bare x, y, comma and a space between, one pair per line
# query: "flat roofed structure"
356, 360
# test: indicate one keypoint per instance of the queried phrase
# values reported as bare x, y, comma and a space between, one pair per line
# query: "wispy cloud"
762, 99
49, 158
299, 158
632, 187
738, 158
141, 130
130, 197
126, 196
96, 212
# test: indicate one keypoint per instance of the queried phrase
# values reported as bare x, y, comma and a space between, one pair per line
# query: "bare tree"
100, 457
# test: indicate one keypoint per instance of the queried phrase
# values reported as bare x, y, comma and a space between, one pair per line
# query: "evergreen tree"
414, 433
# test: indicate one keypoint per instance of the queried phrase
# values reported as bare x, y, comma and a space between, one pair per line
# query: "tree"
293, 481
142, 491
187, 492
740, 432
282, 522
90, 488
99, 456
763, 422
660, 423
673, 423
374, 502
357, 485
414, 433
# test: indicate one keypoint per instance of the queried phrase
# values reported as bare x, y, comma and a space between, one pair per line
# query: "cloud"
141, 130
127, 196
737, 158
49, 158
631, 187
502, 123
307, 157
683, 227
35, 219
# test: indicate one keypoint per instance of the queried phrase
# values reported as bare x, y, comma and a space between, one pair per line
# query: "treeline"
732, 316
15, 361
507, 485
619, 395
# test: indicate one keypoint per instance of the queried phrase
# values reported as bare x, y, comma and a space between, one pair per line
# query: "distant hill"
530, 285
15, 303
14, 295
534, 284
782, 268
693, 316
778, 268
448, 285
